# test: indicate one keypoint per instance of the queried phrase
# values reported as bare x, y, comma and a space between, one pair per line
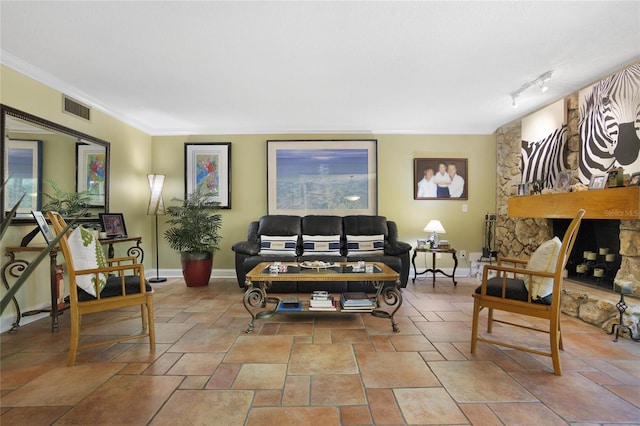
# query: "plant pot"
196, 268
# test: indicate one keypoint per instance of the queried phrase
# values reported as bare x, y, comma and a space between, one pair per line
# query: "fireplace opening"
595, 258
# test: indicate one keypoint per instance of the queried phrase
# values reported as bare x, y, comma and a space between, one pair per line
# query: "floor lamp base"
157, 280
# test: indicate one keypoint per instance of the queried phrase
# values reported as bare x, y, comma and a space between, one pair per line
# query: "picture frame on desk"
615, 177
113, 225
635, 179
45, 229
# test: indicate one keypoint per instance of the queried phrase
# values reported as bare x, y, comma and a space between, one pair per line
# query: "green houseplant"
194, 232
67, 203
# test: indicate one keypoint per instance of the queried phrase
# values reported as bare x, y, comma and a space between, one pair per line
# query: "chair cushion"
327, 245
278, 245
544, 259
358, 245
87, 253
515, 290
113, 287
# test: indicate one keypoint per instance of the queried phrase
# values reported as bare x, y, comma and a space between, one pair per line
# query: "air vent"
76, 108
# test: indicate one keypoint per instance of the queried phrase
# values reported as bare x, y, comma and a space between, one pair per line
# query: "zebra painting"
544, 160
609, 124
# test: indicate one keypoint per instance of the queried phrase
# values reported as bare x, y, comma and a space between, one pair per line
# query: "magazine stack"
356, 302
322, 301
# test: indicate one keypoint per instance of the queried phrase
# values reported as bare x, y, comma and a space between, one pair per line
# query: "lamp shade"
434, 226
156, 204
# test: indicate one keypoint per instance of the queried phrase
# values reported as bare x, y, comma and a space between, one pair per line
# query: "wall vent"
74, 107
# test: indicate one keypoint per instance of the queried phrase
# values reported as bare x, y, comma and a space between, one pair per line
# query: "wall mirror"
38, 154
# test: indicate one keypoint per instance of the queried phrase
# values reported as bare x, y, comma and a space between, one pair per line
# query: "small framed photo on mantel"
598, 182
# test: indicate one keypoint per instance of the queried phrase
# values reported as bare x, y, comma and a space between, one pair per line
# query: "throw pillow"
326, 245
87, 253
543, 259
278, 246
358, 245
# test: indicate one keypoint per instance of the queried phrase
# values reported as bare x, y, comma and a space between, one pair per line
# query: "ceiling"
420, 67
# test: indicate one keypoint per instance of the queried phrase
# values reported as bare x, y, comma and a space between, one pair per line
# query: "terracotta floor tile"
428, 406
322, 335
628, 393
526, 413
298, 329
309, 359
337, 390
224, 376
383, 406
46, 389
577, 399
21, 368
267, 398
32, 416
478, 381
205, 407
394, 369
382, 344
268, 349
293, 416
411, 343
297, 390
123, 394
194, 382
449, 351
161, 365
196, 364
205, 340
445, 331
355, 415
260, 376
171, 332
480, 415
349, 336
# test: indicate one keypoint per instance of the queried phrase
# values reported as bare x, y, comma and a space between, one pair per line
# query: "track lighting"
542, 81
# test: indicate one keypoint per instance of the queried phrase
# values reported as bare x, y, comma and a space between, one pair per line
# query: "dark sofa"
248, 253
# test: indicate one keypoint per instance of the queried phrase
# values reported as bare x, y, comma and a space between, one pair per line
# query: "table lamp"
436, 227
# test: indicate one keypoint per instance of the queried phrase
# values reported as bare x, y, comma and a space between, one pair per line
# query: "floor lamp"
156, 208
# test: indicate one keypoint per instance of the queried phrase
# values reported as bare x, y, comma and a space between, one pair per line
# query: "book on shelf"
356, 309
289, 306
355, 299
319, 303
331, 307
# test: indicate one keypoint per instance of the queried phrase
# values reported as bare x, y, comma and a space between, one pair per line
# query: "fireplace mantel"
611, 203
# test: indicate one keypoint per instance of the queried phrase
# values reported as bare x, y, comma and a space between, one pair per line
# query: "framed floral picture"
208, 168
91, 172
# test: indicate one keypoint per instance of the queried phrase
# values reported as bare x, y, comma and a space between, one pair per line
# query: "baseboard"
177, 273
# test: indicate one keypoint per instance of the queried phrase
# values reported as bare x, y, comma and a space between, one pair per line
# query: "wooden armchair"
124, 285
519, 288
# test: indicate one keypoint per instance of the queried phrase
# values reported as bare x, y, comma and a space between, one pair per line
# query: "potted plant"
66, 203
194, 232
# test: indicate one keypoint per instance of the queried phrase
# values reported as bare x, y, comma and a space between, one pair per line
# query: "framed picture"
326, 177
440, 178
563, 182
113, 225
635, 179
523, 189
90, 172
598, 181
615, 177
23, 176
208, 168
46, 230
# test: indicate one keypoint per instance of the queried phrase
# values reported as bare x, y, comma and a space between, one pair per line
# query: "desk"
433, 269
15, 267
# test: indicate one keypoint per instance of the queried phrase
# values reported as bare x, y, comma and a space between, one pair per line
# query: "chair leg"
152, 328
143, 314
490, 321
75, 337
555, 340
474, 327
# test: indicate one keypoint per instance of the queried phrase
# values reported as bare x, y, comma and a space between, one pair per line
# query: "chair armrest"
512, 260
246, 247
138, 268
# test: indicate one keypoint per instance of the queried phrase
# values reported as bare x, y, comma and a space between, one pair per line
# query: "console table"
259, 280
12, 270
433, 270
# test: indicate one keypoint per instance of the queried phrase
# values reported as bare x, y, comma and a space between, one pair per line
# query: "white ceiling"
424, 67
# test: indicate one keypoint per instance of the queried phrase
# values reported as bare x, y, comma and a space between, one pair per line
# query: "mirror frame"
7, 110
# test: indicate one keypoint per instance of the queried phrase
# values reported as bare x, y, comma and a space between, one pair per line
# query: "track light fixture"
542, 81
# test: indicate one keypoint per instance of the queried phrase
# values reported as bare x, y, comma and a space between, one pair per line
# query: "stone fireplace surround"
520, 236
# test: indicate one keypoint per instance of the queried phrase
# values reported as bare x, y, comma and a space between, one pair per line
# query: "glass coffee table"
259, 279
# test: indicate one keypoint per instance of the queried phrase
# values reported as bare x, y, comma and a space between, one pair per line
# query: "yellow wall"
134, 154
395, 185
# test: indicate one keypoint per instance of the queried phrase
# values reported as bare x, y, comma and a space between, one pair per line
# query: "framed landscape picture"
23, 176
440, 178
325, 177
208, 168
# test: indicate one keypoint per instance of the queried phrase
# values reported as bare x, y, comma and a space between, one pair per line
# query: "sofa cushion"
87, 253
322, 225
366, 225
280, 225
358, 245
328, 245
278, 245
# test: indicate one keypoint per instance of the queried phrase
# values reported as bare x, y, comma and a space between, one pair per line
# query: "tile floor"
313, 369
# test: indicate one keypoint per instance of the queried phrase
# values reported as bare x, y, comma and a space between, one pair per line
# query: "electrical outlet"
463, 254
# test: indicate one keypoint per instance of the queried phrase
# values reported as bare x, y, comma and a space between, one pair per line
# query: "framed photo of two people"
440, 178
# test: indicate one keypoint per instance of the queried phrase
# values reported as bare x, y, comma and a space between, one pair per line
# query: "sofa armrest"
397, 248
246, 247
